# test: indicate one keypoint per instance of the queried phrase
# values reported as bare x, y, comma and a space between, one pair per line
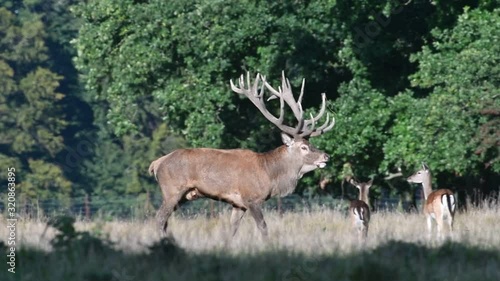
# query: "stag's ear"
287, 140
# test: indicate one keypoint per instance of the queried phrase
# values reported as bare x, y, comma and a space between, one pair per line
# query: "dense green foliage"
406, 82
34, 113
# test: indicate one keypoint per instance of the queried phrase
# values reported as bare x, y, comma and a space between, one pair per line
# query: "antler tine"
321, 130
256, 95
313, 124
261, 92
285, 92
282, 103
321, 111
309, 124
301, 124
234, 88
299, 101
295, 106
255, 84
252, 93
282, 108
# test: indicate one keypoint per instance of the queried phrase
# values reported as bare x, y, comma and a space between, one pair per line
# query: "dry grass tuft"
322, 231
311, 245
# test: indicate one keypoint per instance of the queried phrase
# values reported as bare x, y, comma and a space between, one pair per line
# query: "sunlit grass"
307, 245
322, 231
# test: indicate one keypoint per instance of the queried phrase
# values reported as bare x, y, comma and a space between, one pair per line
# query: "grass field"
312, 245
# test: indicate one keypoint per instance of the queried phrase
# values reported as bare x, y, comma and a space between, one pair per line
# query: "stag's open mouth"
320, 165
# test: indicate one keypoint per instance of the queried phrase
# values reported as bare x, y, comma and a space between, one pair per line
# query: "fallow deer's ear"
425, 167
369, 184
287, 140
353, 182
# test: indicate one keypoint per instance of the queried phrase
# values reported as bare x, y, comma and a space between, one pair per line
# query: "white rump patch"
359, 213
444, 203
452, 201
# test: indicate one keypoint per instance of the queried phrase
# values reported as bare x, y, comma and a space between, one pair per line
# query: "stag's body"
439, 204
359, 209
240, 177
253, 176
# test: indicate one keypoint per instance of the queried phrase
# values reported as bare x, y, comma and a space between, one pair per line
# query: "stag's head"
303, 152
294, 138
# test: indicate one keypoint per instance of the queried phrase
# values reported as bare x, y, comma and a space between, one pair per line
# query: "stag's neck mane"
283, 170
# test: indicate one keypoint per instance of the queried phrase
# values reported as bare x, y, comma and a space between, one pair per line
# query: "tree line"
92, 91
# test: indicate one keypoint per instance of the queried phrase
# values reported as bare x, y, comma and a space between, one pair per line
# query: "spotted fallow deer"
241, 177
439, 204
359, 209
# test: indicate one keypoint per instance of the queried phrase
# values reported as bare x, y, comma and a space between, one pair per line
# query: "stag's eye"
304, 147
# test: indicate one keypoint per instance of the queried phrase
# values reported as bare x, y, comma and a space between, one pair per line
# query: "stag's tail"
152, 169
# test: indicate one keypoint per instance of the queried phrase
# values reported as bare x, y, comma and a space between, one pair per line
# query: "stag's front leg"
256, 213
236, 216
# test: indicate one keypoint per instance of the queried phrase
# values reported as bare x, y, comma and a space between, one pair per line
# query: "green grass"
316, 245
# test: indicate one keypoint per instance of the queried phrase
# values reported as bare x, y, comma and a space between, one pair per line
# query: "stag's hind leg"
165, 211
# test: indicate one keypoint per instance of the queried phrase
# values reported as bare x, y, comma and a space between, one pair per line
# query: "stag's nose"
326, 156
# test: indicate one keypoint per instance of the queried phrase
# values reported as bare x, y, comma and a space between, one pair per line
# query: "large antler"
304, 127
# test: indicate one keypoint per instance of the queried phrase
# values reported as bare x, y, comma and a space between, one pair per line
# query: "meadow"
316, 244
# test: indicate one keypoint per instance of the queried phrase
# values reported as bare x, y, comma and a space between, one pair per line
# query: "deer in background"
359, 209
241, 177
439, 204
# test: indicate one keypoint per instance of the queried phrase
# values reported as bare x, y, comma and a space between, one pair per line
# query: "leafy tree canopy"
32, 115
181, 55
456, 127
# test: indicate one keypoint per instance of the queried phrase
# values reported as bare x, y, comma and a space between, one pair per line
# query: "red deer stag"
241, 177
439, 204
360, 209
